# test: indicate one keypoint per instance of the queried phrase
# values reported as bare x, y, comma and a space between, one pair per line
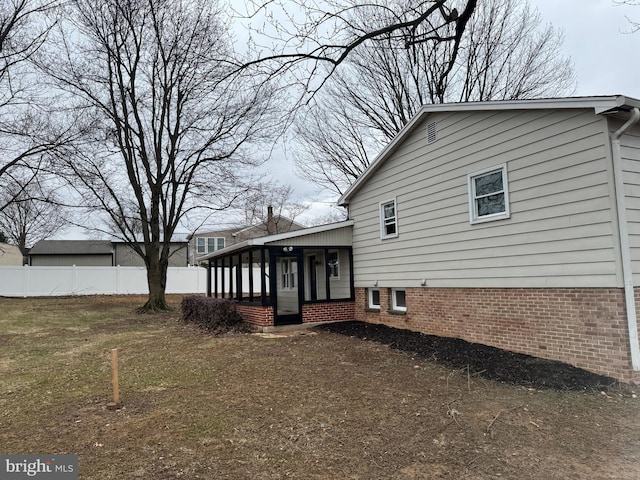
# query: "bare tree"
634, 24
508, 55
173, 128
504, 53
33, 212
30, 131
268, 202
305, 40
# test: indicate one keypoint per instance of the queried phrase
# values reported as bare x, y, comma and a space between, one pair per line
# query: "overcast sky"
606, 60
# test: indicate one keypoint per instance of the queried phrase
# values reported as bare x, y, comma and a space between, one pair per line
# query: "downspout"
623, 230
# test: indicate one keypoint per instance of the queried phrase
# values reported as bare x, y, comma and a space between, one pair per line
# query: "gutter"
623, 230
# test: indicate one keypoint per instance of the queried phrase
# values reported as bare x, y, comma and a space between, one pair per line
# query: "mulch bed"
481, 360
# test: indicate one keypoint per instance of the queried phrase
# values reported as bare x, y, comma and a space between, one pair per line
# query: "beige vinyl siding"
560, 233
127, 256
10, 255
630, 155
330, 238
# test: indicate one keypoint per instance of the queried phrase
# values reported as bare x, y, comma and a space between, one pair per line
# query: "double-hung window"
388, 219
488, 194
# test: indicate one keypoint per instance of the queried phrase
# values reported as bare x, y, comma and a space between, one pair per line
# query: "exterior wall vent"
432, 133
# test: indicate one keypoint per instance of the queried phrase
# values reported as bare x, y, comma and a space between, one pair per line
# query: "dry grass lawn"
318, 405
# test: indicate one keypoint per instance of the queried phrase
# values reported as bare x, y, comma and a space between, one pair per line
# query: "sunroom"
304, 276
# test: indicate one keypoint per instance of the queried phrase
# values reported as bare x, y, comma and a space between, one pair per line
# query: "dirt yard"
358, 402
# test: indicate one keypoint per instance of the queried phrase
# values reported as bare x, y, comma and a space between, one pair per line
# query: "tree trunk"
157, 282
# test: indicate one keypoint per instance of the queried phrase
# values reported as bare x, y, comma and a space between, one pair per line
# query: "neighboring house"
10, 255
94, 253
203, 243
514, 224
82, 253
125, 255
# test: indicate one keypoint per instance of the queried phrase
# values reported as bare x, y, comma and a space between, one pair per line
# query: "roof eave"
600, 105
261, 241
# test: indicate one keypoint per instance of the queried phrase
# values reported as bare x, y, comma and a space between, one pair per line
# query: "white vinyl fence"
17, 281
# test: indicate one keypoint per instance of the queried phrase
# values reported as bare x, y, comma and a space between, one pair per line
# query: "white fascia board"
600, 104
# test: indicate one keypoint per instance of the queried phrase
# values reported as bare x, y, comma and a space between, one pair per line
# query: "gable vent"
432, 133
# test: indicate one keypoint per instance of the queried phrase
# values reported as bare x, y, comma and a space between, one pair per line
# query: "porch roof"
266, 240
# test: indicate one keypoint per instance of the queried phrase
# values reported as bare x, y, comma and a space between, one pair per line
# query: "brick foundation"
256, 315
328, 312
311, 312
585, 327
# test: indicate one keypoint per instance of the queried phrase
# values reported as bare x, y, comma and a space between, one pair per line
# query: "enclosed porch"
299, 277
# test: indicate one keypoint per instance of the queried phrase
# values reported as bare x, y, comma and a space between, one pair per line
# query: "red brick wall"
585, 327
257, 315
312, 312
328, 312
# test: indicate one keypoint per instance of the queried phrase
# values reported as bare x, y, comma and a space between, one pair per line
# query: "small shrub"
217, 315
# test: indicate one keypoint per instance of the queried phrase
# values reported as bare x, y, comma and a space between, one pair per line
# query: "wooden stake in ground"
116, 387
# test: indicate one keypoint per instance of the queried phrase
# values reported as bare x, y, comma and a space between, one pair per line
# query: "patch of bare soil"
480, 360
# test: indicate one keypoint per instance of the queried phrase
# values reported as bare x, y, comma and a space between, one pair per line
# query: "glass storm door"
288, 285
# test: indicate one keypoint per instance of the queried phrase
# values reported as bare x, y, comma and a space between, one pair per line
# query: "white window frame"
394, 301
334, 267
383, 222
473, 206
205, 250
288, 273
370, 303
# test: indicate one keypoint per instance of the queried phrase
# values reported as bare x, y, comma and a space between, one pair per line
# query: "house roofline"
260, 241
260, 224
600, 105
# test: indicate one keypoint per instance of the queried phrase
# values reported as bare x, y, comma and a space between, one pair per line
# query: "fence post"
25, 281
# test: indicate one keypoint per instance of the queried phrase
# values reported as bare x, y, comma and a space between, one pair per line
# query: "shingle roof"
72, 247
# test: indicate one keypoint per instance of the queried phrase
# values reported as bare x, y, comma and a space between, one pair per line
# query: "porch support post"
215, 278
263, 277
209, 278
326, 273
251, 275
240, 286
231, 276
222, 279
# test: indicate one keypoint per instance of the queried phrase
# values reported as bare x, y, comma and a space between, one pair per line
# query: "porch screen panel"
261, 274
339, 273
315, 271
